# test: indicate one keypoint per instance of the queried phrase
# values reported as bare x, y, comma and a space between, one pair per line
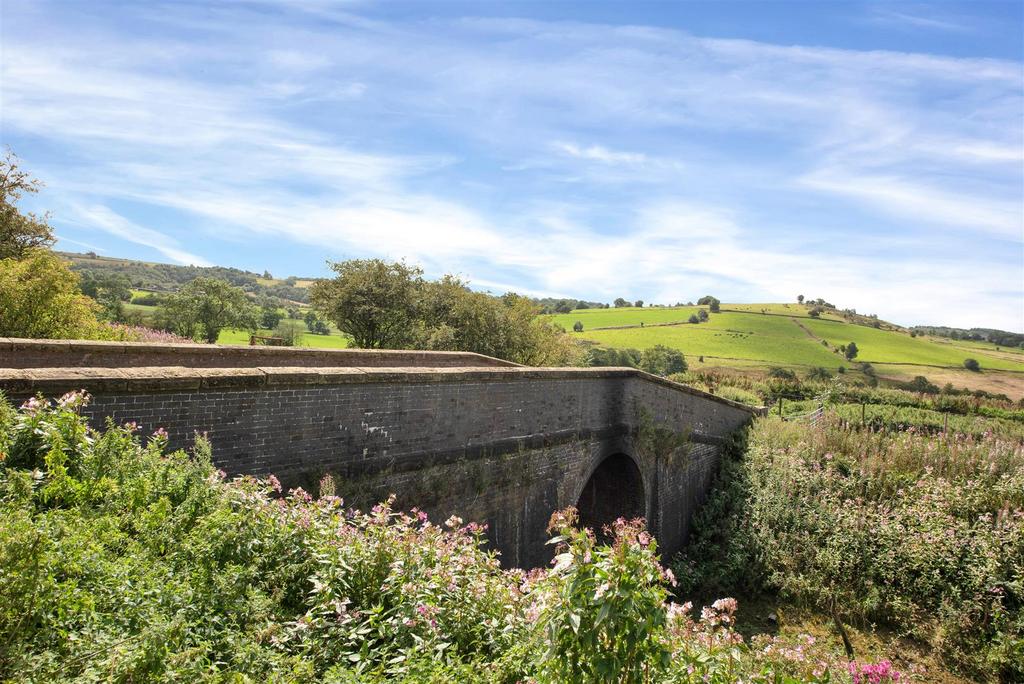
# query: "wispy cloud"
696, 164
599, 153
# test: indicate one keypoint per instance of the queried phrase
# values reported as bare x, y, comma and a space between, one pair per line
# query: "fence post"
780, 406
863, 406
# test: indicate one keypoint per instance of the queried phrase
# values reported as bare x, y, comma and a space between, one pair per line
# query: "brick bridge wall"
503, 445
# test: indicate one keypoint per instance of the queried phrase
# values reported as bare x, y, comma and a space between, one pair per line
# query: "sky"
868, 153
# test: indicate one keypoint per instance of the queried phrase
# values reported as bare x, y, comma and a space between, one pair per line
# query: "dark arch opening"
615, 490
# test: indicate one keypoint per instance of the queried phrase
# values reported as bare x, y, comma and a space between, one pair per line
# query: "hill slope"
753, 336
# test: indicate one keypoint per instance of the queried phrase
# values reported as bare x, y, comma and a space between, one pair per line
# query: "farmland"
749, 337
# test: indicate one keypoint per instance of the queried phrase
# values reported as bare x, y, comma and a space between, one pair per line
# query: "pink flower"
160, 433
274, 483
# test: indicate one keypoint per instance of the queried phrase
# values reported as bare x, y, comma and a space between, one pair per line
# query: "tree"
110, 290
372, 301
702, 314
206, 306
639, 304
19, 233
578, 326
662, 360
819, 374
814, 313
851, 351
620, 303
39, 298
694, 318
972, 365
781, 373
270, 313
800, 299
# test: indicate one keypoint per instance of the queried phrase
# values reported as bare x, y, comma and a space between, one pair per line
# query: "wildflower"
275, 484
34, 405
159, 433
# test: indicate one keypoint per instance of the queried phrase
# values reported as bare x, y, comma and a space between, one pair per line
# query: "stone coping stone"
52, 381
22, 353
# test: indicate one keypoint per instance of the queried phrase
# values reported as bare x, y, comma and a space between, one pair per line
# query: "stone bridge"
448, 432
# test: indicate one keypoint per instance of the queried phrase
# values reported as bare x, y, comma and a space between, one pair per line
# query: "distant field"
753, 337
743, 336
603, 318
332, 341
882, 346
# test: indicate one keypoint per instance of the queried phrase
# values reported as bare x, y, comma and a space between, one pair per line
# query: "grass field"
332, 341
883, 346
604, 318
750, 336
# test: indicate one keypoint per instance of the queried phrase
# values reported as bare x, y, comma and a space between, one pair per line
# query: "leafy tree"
270, 314
693, 318
710, 302
599, 356
702, 314
639, 303
19, 232
110, 290
819, 374
972, 365
206, 306
372, 301
851, 351
620, 303
781, 373
39, 298
800, 299
815, 312
662, 360
578, 326
310, 319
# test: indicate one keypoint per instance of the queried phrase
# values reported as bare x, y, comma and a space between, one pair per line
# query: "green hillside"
764, 335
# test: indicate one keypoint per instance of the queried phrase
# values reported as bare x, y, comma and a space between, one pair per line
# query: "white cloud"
599, 153
717, 160
109, 221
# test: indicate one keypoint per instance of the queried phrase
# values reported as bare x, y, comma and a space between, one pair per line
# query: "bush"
122, 562
662, 360
972, 365
902, 529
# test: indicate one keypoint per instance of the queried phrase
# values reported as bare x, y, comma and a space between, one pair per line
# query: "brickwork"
23, 353
501, 445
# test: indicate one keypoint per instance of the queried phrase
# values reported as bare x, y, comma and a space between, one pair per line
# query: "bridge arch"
614, 489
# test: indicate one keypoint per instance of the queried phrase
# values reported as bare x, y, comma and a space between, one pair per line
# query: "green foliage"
819, 374
205, 306
577, 326
389, 305
606, 616
662, 360
850, 352
601, 356
39, 298
20, 233
122, 562
972, 365
372, 301
923, 534
109, 291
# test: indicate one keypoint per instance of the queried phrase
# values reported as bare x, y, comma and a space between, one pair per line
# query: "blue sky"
868, 153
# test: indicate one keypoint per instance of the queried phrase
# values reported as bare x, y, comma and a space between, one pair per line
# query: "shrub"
123, 562
972, 365
922, 534
662, 360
